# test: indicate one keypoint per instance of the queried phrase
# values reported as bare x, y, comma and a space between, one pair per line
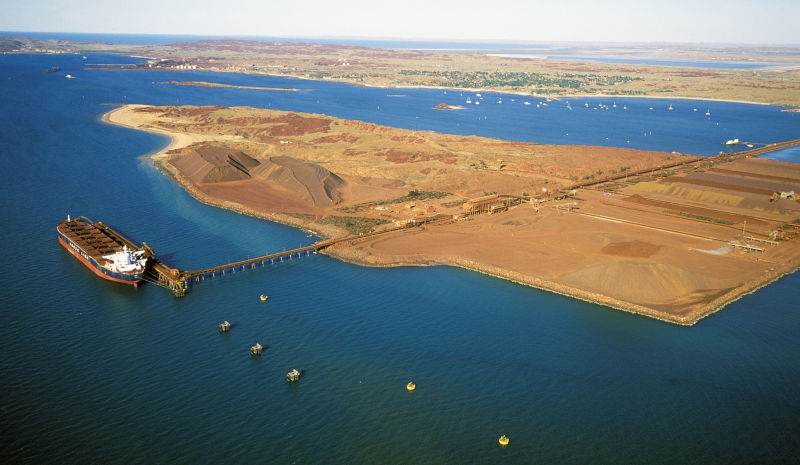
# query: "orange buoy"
411, 386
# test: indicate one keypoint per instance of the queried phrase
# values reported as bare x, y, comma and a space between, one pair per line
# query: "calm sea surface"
94, 372
504, 49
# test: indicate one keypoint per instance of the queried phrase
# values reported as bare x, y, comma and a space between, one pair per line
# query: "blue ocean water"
94, 372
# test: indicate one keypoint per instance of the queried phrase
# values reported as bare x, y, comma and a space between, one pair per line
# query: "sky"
680, 21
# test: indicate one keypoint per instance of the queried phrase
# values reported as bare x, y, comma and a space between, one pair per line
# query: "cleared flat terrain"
673, 250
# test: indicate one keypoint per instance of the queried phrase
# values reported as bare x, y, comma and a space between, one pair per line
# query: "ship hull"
126, 278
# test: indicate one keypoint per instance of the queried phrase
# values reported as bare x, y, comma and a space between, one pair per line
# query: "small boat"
411, 386
224, 327
503, 440
527, 103
469, 101
670, 107
477, 103
708, 112
69, 76
293, 376
263, 297
651, 107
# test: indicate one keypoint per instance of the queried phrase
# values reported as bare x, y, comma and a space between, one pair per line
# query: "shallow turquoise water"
98, 373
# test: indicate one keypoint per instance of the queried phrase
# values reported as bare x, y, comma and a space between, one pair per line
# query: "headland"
676, 238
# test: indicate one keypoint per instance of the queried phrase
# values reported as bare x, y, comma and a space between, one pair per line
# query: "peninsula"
671, 236
229, 86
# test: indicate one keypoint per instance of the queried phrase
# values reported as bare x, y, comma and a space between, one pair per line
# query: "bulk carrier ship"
106, 256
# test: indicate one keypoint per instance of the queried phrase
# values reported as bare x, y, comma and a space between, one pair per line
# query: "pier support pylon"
170, 278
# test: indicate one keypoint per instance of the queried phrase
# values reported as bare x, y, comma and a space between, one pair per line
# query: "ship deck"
88, 238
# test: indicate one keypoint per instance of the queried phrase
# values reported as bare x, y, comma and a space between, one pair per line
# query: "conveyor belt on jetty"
179, 281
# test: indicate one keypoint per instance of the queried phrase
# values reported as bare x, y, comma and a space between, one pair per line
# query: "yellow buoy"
264, 298
503, 440
411, 386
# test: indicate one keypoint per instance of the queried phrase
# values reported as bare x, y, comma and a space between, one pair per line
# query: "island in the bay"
671, 236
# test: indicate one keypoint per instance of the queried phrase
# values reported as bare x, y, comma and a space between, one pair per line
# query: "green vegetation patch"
354, 224
483, 79
412, 196
701, 217
418, 195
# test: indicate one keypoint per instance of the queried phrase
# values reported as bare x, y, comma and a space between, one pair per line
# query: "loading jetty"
179, 282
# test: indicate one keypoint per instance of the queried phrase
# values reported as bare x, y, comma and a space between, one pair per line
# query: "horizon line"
407, 39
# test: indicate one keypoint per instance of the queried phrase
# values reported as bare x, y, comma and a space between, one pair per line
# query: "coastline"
689, 319
226, 86
564, 96
177, 142
560, 96
528, 281
685, 314
509, 92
